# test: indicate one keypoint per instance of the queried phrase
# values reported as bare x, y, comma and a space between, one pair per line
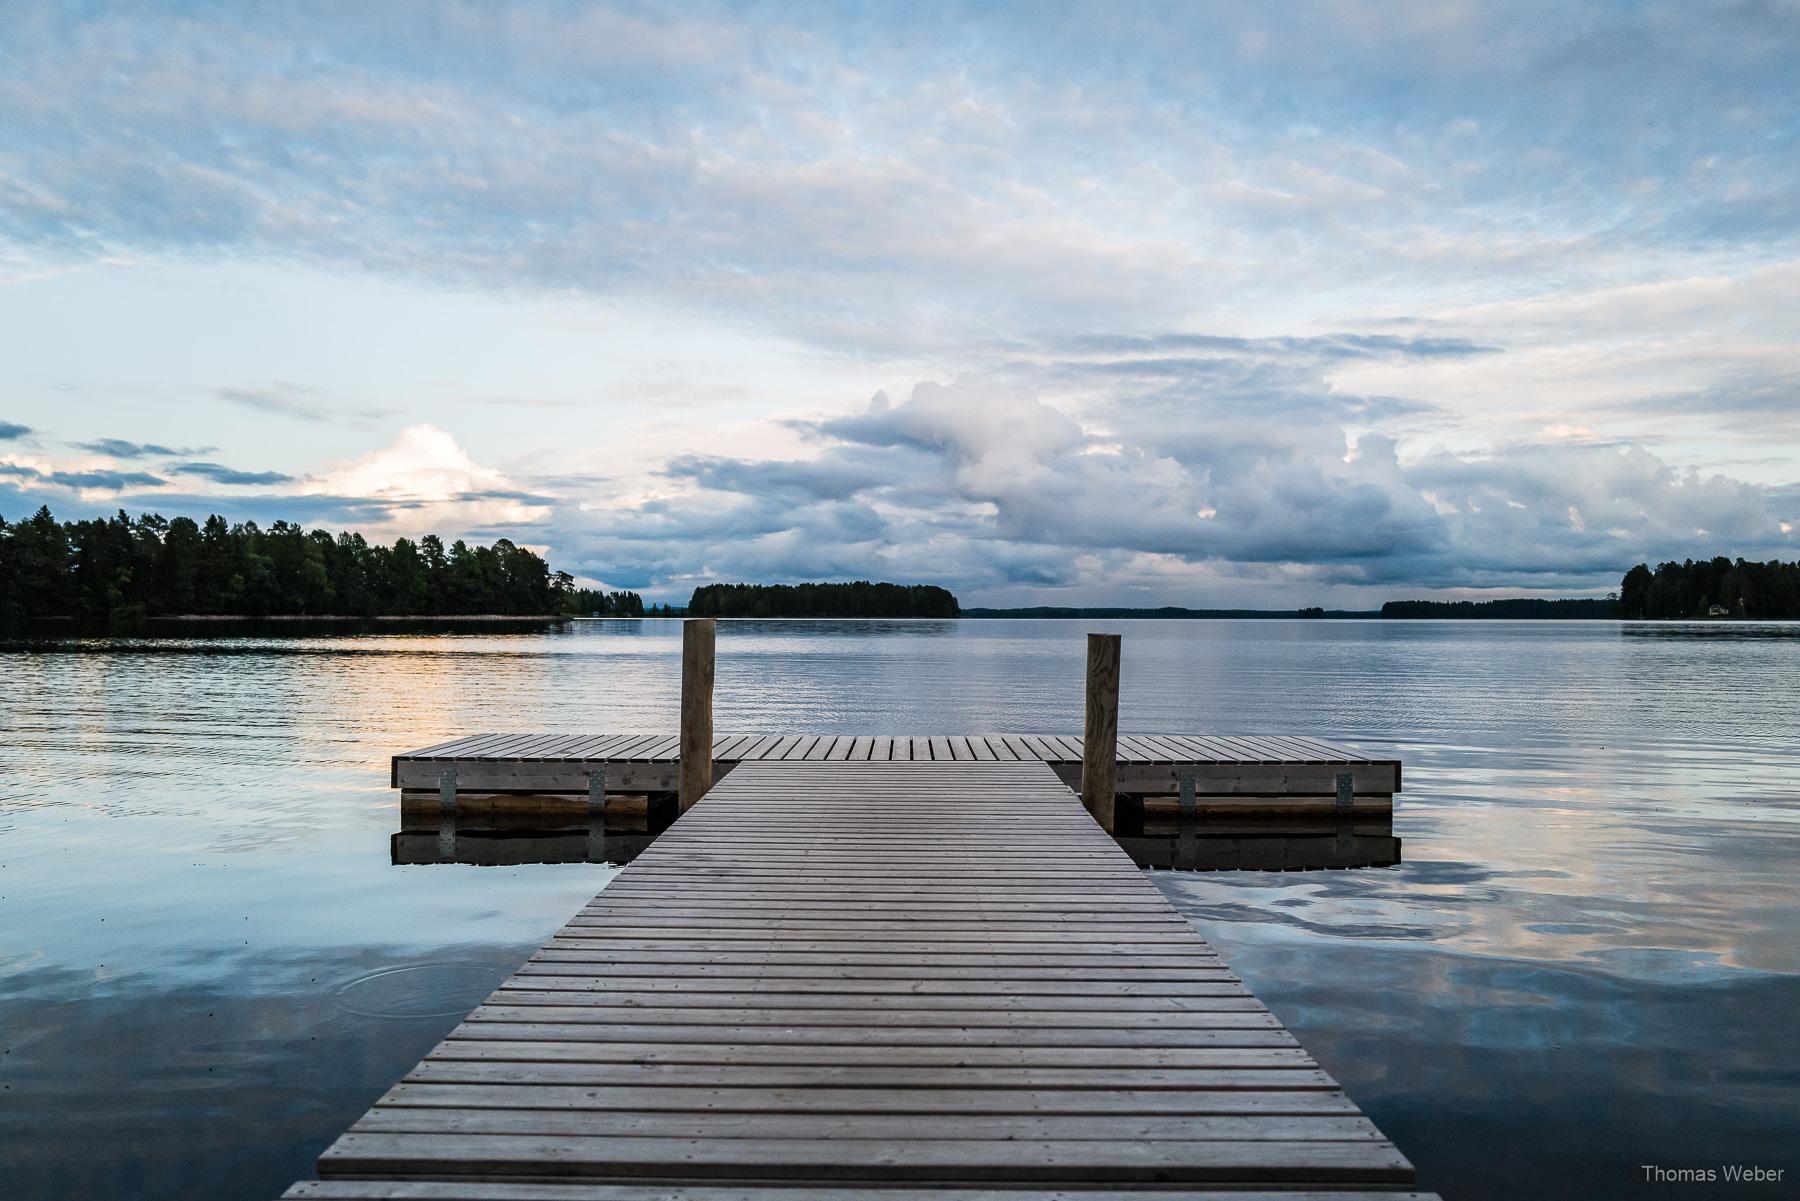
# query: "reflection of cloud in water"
1510, 1078
1587, 886
247, 1080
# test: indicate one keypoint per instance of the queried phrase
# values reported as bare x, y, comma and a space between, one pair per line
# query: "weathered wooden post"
696, 709
1100, 740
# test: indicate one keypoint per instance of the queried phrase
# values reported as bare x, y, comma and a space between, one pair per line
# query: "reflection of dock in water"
1195, 843
617, 834
1168, 833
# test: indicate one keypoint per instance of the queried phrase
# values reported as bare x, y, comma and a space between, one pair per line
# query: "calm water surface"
1588, 961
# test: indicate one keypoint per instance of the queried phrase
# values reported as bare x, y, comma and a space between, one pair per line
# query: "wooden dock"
857, 978
1236, 774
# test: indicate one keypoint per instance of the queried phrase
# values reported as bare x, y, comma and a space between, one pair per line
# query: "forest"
123, 568
1510, 609
858, 599
586, 602
1770, 591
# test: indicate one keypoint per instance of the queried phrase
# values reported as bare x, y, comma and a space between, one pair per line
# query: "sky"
1195, 304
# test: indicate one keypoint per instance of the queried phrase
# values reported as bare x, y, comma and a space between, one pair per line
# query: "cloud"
218, 473
424, 481
102, 480
300, 403
1115, 169
995, 491
1322, 348
280, 400
1225, 294
111, 481
118, 448
11, 430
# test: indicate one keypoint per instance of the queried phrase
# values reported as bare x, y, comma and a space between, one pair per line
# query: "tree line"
123, 568
858, 599
1692, 588
1510, 609
592, 603
1161, 613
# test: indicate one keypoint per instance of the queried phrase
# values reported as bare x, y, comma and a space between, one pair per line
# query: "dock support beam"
1100, 739
696, 709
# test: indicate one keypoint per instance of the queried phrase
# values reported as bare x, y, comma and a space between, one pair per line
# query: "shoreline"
336, 617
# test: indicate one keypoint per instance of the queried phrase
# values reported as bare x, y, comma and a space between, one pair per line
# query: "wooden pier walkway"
858, 980
1261, 774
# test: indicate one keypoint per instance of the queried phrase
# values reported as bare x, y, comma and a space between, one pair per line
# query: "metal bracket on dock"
447, 815
596, 815
1346, 800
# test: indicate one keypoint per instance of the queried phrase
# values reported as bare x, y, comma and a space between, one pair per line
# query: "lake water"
1588, 960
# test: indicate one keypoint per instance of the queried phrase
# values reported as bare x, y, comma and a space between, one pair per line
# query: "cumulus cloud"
996, 490
423, 481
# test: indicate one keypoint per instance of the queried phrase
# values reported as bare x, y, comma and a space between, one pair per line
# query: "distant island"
857, 599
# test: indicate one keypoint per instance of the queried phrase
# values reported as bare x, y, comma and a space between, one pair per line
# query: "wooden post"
696, 709
1100, 740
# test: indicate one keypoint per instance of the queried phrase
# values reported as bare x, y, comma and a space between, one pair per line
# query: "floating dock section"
1237, 774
